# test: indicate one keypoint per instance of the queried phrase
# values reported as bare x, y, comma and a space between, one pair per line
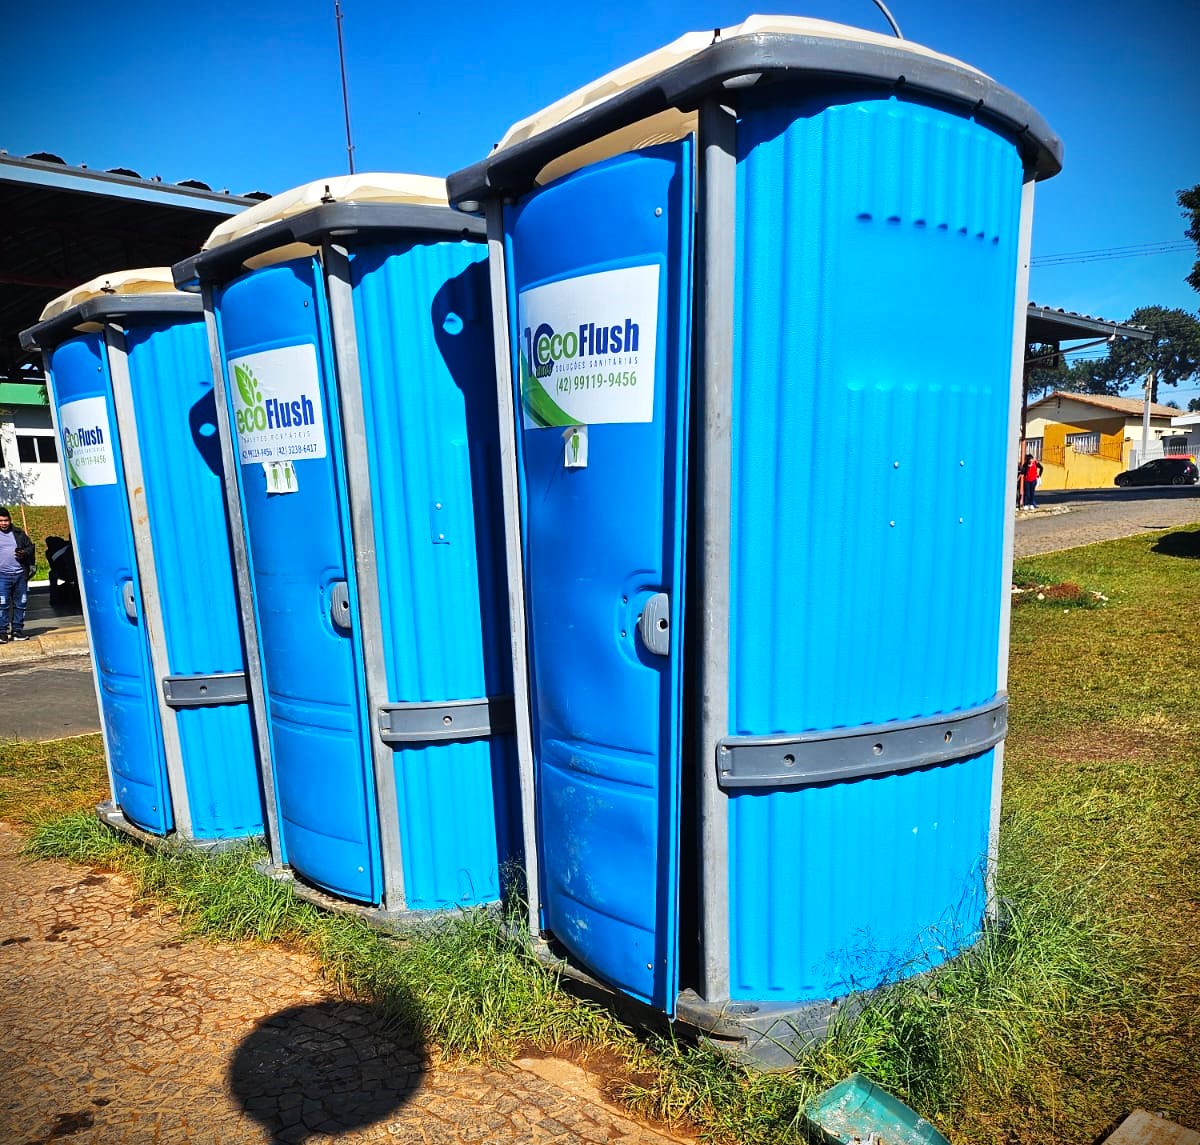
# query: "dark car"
1161, 471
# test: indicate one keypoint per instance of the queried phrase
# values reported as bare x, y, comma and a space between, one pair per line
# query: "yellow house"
1085, 440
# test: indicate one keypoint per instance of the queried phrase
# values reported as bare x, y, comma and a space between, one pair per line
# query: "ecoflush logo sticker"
588, 346
87, 449
277, 405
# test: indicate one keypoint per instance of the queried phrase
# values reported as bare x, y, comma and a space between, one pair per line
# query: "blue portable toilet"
350, 328
131, 393
766, 590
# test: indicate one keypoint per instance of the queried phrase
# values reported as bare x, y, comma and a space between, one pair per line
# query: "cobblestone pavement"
1103, 515
114, 1032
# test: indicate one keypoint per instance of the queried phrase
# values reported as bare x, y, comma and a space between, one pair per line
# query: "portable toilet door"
350, 334
602, 449
845, 183
131, 395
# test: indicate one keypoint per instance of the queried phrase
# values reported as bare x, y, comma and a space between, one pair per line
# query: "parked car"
1161, 471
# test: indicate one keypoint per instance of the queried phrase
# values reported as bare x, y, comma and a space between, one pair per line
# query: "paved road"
1103, 515
48, 698
113, 1032
46, 689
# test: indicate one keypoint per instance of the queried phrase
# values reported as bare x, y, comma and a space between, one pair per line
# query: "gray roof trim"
46, 335
1045, 324
402, 221
744, 61
38, 173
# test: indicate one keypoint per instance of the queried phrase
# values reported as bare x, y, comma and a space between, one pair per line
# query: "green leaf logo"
247, 385
542, 409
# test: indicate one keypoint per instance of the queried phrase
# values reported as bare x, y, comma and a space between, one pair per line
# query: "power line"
1106, 254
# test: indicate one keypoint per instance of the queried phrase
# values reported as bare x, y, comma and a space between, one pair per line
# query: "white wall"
28, 483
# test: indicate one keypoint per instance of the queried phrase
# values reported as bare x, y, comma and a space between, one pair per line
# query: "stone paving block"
113, 1031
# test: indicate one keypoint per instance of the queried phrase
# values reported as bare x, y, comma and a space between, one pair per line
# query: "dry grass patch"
1096, 743
41, 781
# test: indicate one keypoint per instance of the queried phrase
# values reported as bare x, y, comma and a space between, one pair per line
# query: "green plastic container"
858, 1111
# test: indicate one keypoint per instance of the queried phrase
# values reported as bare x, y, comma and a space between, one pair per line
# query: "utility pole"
337, 13
1146, 417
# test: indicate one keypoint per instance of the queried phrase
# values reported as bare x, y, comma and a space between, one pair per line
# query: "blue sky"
246, 96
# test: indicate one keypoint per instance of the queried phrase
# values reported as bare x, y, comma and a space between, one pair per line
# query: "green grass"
1084, 1007
40, 781
79, 837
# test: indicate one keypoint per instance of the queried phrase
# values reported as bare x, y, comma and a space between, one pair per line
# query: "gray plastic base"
110, 814
768, 1036
390, 921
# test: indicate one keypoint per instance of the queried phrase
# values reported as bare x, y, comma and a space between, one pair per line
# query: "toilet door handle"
128, 599
339, 606
654, 625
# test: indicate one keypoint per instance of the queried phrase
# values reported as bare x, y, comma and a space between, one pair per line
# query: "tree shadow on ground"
325, 1069
1185, 544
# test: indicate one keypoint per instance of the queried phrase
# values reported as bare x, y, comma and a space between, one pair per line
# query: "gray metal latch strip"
205, 691
842, 754
445, 720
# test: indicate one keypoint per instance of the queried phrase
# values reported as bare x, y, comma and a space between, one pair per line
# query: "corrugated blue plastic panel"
429, 393
877, 249
316, 693
171, 378
851, 884
220, 770
104, 547
599, 542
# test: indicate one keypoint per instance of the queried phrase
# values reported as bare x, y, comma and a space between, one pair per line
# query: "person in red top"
1031, 470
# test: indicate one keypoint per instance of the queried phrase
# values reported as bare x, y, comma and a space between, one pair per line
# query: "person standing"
1030, 472
17, 555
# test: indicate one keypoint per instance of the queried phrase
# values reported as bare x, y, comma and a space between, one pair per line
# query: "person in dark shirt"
16, 563
63, 576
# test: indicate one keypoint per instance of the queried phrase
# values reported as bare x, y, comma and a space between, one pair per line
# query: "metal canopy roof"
61, 225
1044, 324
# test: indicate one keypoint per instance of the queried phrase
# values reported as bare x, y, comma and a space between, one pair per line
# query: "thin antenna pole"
337, 12
890, 18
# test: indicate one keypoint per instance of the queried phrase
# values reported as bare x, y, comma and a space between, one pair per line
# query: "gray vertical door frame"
336, 262
715, 264
259, 711
143, 548
515, 558
1016, 398
83, 600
